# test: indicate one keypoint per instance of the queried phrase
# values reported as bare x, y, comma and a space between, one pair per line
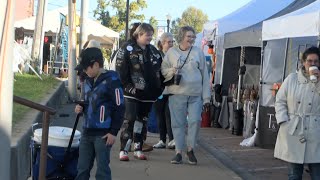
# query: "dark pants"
135, 122
93, 147
295, 171
163, 117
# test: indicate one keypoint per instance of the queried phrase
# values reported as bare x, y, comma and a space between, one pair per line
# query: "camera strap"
186, 58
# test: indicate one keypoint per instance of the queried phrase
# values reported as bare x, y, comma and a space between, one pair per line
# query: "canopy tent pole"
238, 112
242, 71
285, 59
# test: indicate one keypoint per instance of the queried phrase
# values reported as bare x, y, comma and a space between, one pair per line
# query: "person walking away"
103, 115
184, 67
297, 109
138, 64
162, 104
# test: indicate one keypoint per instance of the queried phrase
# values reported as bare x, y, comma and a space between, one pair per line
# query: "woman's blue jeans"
295, 171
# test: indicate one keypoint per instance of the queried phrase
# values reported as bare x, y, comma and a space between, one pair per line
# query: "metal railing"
47, 111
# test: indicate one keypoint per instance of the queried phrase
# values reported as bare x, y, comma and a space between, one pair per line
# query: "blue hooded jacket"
104, 108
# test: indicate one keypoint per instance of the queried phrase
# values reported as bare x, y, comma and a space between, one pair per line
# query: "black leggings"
135, 111
163, 117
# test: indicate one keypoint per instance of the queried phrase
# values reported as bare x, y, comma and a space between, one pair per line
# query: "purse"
175, 80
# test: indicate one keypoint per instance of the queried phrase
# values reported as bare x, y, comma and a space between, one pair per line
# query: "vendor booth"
252, 13
282, 47
56, 30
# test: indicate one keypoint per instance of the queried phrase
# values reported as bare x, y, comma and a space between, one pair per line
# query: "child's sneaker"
160, 145
177, 159
139, 155
123, 156
172, 144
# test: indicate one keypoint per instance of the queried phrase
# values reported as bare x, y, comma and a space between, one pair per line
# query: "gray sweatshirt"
195, 78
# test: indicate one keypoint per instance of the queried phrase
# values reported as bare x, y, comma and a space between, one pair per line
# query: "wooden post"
72, 80
6, 84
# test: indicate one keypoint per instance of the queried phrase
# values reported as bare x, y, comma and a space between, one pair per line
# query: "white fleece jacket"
195, 78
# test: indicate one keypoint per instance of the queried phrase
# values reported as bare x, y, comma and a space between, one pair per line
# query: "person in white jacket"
298, 114
190, 95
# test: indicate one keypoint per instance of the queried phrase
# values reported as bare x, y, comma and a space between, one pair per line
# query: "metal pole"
168, 25
127, 20
7, 9
285, 60
72, 80
263, 45
44, 145
83, 19
38, 30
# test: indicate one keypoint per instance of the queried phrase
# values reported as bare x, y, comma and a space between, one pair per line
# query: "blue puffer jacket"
104, 109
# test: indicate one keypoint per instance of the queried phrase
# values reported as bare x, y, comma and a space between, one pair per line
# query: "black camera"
177, 79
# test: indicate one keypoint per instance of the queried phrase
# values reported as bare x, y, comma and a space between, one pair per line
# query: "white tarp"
249, 14
301, 23
253, 12
52, 24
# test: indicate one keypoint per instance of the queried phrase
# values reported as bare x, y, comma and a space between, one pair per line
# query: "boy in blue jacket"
103, 115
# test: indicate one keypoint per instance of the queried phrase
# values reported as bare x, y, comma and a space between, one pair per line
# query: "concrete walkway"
158, 166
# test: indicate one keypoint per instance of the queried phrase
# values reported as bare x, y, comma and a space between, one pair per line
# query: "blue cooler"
59, 164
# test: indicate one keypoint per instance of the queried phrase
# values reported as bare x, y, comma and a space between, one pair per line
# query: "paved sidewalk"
248, 162
219, 154
158, 166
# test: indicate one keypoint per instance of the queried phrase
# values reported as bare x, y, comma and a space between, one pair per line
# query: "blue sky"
160, 8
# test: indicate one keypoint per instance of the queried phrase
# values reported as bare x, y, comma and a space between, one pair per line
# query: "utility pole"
72, 79
6, 84
127, 20
38, 31
42, 39
83, 20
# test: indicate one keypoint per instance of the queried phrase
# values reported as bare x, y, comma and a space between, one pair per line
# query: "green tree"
174, 27
192, 17
154, 23
117, 22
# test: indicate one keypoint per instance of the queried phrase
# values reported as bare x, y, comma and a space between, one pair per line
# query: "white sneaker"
123, 156
171, 144
139, 155
159, 145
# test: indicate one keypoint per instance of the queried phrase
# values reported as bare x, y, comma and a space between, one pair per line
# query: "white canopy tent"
51, 21
284, 39
295, 32
304, 22
251, 13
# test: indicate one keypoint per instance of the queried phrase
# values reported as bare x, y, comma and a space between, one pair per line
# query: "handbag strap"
186, 58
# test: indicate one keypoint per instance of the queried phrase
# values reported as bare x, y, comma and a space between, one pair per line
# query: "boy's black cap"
88, 57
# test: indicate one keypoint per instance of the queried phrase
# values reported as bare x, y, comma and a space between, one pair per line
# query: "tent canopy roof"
251, 13
251, 36
301, 23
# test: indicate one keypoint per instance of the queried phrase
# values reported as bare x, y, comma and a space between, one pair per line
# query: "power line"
57, 5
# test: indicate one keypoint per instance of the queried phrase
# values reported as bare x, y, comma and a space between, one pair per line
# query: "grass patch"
32, 88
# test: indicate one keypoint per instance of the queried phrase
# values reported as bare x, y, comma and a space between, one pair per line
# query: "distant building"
24, 9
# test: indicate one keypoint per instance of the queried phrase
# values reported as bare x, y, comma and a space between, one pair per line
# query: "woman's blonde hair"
182, 32
142, 29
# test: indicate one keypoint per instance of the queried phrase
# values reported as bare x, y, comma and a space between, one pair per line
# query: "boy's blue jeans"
93, 147
295, 171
